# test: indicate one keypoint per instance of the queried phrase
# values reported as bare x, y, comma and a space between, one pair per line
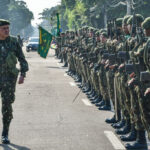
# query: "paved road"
45, 117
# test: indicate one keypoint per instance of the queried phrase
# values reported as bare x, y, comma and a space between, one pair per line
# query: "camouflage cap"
4, 22
102, 30
67, 31
62, 33
139, 19
125, 19
97, 33
90, 28
104, 34
146, 23
119, 22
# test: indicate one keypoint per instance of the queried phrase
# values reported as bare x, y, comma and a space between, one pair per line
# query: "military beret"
139, 19
125, 19
119, 22
146, 23
4, 22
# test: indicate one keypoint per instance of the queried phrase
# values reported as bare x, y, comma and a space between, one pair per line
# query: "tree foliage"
77, 13
19, 15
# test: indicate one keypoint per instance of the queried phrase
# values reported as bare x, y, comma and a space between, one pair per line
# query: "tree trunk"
129, 7
105, 17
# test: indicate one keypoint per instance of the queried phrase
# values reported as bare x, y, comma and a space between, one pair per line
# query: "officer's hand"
21, 80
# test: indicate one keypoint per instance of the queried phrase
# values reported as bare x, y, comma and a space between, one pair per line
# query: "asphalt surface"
45, 117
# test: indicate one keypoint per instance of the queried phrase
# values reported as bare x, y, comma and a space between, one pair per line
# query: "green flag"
58, 25
45, 39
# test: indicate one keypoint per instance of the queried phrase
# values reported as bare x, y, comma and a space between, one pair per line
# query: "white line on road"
11, 147
72, 83
86, 102
114, 140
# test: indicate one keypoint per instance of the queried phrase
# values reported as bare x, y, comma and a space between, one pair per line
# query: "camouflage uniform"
8, 75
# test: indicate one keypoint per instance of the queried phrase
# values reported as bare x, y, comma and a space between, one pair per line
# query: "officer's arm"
21, 58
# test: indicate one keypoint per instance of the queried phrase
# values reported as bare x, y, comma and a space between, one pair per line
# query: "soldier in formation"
113, 66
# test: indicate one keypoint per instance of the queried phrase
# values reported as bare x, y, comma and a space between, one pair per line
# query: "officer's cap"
4, 22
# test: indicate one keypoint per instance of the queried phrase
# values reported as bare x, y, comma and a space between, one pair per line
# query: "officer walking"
10, 52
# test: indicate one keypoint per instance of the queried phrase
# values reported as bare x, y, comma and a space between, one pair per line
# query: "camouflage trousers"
144, 105
7, 90
102, 80
65, 57
110, 85
135, 108
95, 81
125, 96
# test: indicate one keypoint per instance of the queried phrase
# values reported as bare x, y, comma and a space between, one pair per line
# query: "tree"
20, 16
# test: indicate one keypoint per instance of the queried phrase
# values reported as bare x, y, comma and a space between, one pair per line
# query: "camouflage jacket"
7, 47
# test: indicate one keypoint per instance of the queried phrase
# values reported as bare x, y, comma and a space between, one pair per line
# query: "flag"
58, 25
45, 39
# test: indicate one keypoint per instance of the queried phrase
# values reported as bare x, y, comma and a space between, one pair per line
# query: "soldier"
10, 51
141, 83
136, 58
144, 103
20, 40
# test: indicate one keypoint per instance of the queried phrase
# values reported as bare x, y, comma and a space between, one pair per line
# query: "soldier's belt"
144, 76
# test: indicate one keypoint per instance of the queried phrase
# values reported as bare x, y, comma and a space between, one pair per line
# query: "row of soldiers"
113, 66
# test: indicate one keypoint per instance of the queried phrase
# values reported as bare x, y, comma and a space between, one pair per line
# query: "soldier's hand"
21, 80
147, 92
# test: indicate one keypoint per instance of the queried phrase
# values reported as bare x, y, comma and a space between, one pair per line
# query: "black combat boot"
140, 142
119, 124
5, 131
90, 92
111, 120
86, 89
97, 100
94, 98
78, 79
65, 65
92, 95
5, 139
106, 106
102, 103
131, 136
80, 85
125, 130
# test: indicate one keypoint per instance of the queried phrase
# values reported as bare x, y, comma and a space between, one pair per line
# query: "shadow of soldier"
13, 147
